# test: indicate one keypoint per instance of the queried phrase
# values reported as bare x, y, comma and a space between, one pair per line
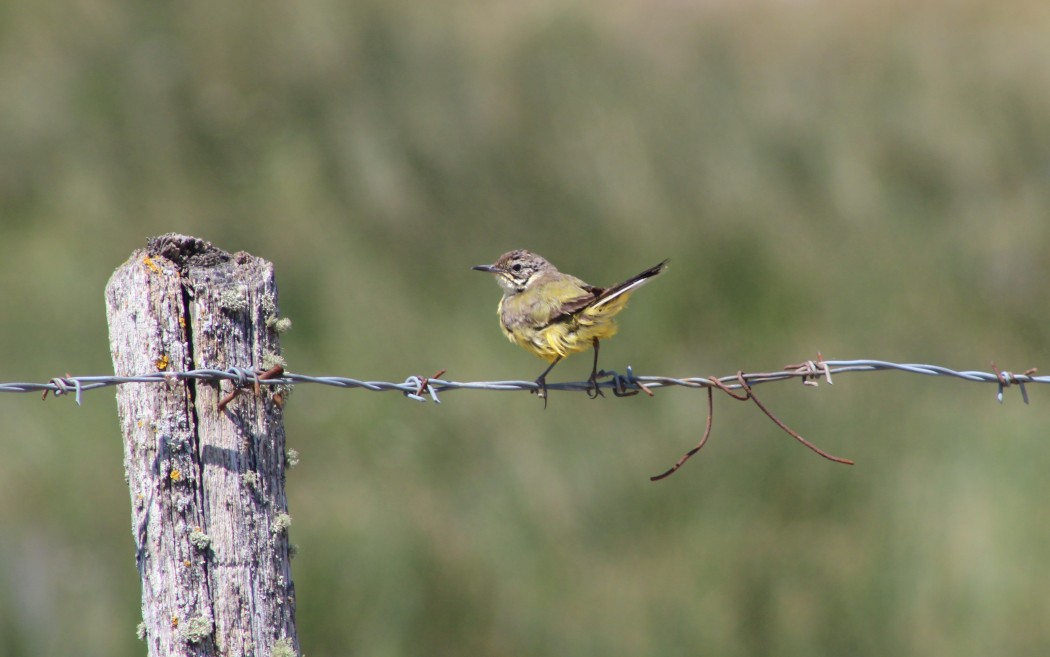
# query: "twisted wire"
420, 388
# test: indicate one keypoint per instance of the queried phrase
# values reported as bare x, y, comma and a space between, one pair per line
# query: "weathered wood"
209, 513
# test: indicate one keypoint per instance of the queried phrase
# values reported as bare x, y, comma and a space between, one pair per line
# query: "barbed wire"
415, 386
621, 385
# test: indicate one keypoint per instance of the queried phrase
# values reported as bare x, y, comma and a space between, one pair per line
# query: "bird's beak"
489, 268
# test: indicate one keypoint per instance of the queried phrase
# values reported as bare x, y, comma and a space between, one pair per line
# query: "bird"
552, 314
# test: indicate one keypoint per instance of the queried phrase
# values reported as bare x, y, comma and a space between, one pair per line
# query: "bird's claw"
541, 390
596, 391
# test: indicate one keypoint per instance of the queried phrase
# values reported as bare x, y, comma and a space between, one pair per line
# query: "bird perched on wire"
552, 314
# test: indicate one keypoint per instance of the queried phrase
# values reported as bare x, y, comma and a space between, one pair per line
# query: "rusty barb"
1007, 379
811, 371
739, 386
423, 385
275, 372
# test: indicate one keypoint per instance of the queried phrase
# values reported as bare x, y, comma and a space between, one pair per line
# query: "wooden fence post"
208, 506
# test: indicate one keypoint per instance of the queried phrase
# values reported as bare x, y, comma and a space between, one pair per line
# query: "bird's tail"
615, 292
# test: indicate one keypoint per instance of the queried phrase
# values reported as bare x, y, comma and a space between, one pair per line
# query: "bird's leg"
595, 392
541, 381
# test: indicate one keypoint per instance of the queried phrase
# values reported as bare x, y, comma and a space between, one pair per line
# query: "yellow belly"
562, 338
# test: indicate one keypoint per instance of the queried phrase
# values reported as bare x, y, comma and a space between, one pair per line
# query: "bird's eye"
516, 266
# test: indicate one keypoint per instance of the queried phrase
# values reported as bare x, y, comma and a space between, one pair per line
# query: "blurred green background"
868, 179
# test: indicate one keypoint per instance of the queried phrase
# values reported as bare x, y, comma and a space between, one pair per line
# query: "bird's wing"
551, 302
575, 304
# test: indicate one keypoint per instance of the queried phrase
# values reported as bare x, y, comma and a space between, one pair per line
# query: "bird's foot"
595, 392
541, 390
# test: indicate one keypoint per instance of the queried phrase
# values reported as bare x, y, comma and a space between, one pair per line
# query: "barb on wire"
423, 385
273, 373
739, 386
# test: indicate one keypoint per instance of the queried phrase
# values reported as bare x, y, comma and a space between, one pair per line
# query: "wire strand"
622, 385
415, 386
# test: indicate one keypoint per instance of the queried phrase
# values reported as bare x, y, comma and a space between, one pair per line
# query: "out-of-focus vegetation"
868, 179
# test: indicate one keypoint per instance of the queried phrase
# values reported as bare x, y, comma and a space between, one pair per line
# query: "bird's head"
515, 270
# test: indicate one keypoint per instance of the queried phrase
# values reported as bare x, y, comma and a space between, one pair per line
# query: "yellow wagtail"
552, 314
